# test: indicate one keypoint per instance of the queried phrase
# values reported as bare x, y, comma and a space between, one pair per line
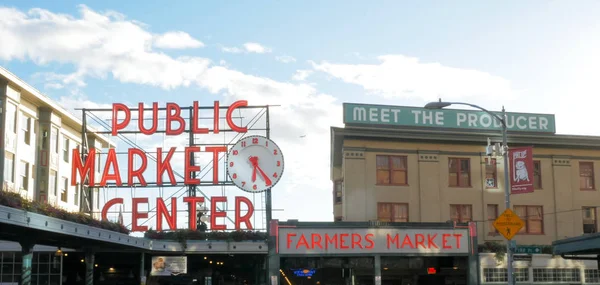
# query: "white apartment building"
38, 137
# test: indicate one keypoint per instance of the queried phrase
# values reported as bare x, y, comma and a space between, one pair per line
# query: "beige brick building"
407, 170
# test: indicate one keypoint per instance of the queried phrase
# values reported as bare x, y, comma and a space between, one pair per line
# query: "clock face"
255, 164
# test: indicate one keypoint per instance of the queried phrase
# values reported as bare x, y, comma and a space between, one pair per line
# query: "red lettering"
195, 128
457, 237
445, 240
192, 202
239, 219
316, 240
302, 242
138, 173
111, 160
289, 239
370, 241
356, 241
229, 116
216, 150
343, 244
174, 117
407, 241
109, 204
395, 240
216, 118
138, 215
154, 119
331, 240
116, 126
161, 210
164, 165
217, 214
431, 241
189, 152
420, 240
83, 170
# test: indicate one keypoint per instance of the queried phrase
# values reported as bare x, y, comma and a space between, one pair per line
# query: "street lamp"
502, 120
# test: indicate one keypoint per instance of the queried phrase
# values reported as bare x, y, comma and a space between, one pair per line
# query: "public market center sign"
382, 115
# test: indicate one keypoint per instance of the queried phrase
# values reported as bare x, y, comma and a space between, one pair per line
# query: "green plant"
14, 200
187, 234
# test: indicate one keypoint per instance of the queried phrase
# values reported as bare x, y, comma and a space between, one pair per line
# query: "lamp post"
502, 120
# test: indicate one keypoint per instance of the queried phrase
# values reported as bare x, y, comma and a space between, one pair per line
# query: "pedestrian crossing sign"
508, 224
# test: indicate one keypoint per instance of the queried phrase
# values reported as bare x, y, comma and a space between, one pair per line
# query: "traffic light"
200, 225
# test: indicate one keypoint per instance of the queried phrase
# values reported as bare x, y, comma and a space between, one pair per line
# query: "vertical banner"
521, 170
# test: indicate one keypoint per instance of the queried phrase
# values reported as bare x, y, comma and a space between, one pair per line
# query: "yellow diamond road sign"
508, 224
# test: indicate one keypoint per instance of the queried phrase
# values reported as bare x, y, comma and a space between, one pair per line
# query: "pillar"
89, 268
473, 262
142, 269
377, 269
273, 265
27, 253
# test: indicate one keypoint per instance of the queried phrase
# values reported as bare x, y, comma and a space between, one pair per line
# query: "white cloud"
249, 47
232, 49
176, 40
398, 76
285, 58
106, 44
301, 74
256, 48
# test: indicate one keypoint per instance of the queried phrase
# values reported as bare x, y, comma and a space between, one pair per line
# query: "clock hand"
254, 173
265, 177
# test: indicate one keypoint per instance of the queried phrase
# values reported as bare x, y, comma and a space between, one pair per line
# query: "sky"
309, 57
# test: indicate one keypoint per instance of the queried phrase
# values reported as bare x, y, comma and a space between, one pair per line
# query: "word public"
171, 216
163, 163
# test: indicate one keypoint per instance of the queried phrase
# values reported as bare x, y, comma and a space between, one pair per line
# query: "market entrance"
364, 253
360, 270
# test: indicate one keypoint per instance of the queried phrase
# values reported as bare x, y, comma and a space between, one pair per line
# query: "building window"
54, 139
548, 275
537, 174
337, 191
24, 175
391, 170
459, 172
501, 274
589, 220
533, 217
11, 117
52, 183
76, 195
491, 173
392, 212
586, 175
9, 167
98, 161
65, 148
492, 215
25, 129
64, 194
592, 276
461, 213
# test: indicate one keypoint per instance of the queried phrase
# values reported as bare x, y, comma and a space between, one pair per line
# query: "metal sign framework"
254, 118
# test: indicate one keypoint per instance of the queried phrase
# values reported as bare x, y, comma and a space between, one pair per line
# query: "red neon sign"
170, 213
431, 270
166, 158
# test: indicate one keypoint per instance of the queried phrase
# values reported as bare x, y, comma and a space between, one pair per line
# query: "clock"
255, 164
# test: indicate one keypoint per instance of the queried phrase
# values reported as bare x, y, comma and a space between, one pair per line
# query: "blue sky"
530, 56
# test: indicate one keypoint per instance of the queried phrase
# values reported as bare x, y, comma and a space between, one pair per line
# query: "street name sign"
528, 249
508, 224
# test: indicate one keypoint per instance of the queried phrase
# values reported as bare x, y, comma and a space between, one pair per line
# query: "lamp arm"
502, 121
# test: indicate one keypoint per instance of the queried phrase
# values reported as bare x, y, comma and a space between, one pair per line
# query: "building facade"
38, 137
418, 165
